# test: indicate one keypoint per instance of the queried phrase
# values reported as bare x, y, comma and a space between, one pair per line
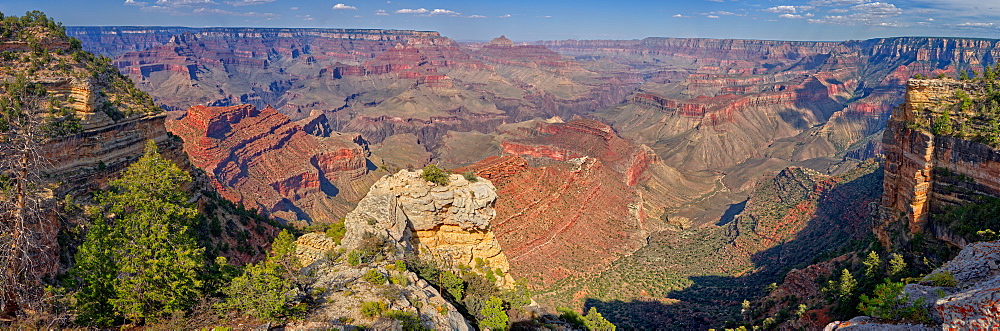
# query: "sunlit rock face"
449, 223
260, 158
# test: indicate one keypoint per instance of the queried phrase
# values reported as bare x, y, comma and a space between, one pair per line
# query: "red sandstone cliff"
260, 158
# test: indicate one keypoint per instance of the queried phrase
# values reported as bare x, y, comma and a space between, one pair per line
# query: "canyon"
675, 169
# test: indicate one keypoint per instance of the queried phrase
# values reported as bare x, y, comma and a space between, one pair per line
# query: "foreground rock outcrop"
973, 303
403, 215
342, 289
449, 223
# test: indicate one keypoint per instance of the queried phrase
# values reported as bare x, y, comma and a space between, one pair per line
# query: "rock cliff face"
111, 122
926, 172
450, 223
260, 158
113, 41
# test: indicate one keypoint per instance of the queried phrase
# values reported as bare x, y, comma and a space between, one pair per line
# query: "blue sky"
527, 20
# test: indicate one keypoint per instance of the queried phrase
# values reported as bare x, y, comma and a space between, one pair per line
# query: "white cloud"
796, 16
712, 16
248, 2
425, 12
872, 13
216, 11
294, 8
443, 12
134, 3
977, 25
381, 12
838, 10
477, 16
341, 6
723, 13
781, 10
504, 16
413, 11
878, 9
836, 2
678, 15
177, 3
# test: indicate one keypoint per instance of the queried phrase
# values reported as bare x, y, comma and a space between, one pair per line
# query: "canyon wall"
924, 172
260, 158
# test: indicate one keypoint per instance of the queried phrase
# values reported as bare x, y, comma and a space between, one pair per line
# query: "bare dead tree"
26, 207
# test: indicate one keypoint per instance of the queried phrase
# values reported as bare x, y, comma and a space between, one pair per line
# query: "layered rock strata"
445, 223
920, 167
260, 158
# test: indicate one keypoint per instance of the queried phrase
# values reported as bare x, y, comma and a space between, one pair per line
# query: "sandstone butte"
449, 223
263, 160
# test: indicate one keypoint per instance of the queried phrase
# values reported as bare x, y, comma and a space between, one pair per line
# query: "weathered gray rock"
340, 290
976, 263
928, 296
865, 323
973, 304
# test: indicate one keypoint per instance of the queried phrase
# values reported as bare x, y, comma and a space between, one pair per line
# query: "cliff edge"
940, 154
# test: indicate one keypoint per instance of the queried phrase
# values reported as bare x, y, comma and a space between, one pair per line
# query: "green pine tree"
494, 316
873, 264
596, 322
265, 289
141, 245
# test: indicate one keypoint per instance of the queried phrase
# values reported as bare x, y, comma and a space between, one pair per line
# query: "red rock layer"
562, 220
578, 138
260, 158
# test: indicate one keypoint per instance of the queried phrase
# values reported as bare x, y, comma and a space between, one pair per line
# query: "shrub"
336, 231
571, 316
435, 175
260, 292
375, 277
896, 265
941, 279
354, 258
454, 285
470, 176
888, 302
373, 308
596, 322
409, 321
400, 279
